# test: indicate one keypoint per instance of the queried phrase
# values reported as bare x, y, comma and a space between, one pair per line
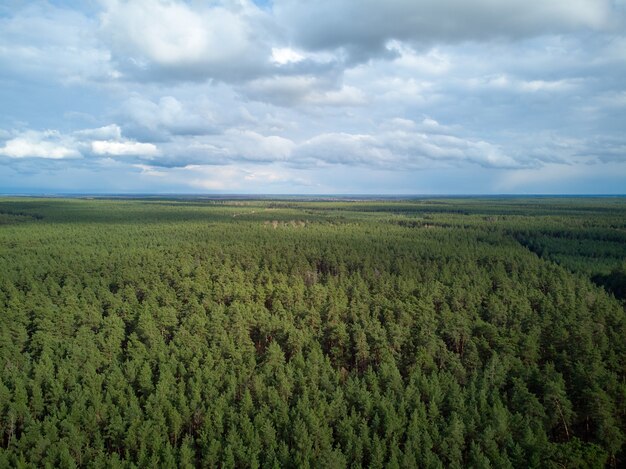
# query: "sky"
313, 97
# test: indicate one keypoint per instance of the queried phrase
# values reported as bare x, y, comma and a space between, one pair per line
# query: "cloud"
286, 55
506, 82
229, 178
336, 93
344, 148
107, 132
233, 146
559, 179
253, 146
226, 178
54, 145
397, 144
304, 90
167, 116
112, 148
31, 144
364, 27
42, 43
408, 146
169, 40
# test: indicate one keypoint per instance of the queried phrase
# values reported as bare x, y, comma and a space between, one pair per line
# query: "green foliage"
282, 333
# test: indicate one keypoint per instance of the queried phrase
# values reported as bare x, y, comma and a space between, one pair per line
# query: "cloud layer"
327, 96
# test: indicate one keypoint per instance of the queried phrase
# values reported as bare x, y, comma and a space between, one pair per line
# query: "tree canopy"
282, 333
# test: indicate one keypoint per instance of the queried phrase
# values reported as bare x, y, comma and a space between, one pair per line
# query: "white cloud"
169, 116
345, 96
108, 132
403, 145
179, 40
128, 148
52, 144
31, 144
44, 43
151, 171
506, 82
227, 177
231, 178
398, 144
231, 147
285, 55
254, 146
547, 85
397, 89
345, 148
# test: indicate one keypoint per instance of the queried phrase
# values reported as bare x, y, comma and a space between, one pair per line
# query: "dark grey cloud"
363, 27
303, 90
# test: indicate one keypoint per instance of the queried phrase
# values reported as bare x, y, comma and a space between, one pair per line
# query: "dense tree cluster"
311, 334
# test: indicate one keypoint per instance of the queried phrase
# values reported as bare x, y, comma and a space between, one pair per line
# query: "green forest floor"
291, 333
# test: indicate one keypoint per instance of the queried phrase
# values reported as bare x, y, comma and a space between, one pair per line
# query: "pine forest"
319, 333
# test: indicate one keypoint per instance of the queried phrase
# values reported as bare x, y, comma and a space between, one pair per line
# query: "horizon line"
296, 195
